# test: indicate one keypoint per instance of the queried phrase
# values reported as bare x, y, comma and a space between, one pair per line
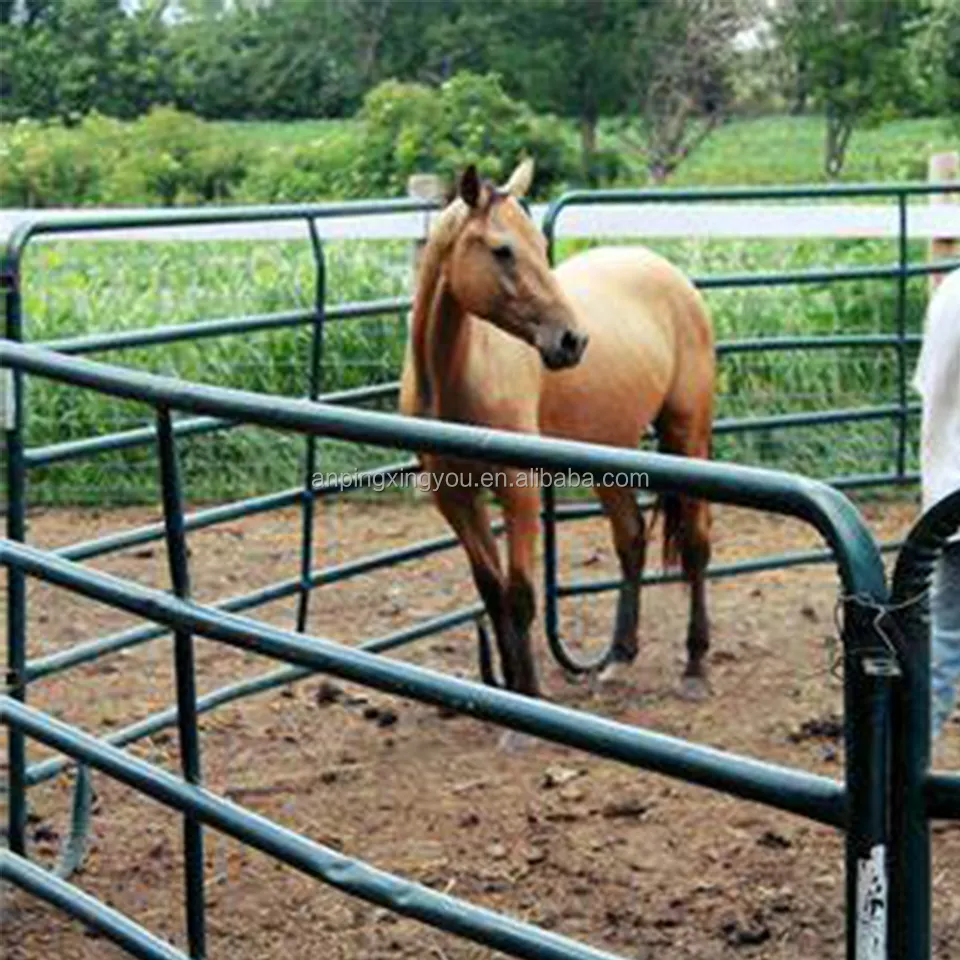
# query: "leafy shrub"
303, 173
178, 159
408, 128
43, 165
164, 158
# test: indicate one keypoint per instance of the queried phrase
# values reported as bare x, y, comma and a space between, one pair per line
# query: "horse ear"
520, 180
470, 186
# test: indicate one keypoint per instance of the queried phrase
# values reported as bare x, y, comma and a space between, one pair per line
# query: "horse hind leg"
694, 559
630, 541
687, 534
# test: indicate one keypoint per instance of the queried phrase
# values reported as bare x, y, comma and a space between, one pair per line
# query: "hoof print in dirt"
627, 808
774, 840
745, 933
328, 693
829, 727
382, 716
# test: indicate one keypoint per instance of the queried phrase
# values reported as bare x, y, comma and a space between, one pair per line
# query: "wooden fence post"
943, 167
423, 186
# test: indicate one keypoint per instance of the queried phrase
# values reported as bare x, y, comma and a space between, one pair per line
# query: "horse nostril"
569, 342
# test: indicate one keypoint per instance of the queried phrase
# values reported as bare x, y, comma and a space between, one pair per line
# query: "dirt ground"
627, 861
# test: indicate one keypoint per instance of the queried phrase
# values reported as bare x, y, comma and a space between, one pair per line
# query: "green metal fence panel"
867, 688
870, 669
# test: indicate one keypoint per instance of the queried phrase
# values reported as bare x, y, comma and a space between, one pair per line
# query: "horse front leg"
467, 514
521, 507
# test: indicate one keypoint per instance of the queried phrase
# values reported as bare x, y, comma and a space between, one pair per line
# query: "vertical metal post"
186, 681
310, 457
869, 670
902, 374
909, 623
911, 861
551, 602
551, 613
14, 430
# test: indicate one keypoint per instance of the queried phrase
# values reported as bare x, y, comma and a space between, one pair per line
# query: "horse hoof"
612, 673
695, 689
515, 742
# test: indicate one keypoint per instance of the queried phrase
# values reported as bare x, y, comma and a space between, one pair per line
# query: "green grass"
73, 288
789, 150
271, 133
763, 150
76, 288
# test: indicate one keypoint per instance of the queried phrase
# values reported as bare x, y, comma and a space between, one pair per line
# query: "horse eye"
503, 253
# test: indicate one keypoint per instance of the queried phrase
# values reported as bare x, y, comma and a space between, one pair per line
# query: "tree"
684, 53
570, 58
933, 60
853, 54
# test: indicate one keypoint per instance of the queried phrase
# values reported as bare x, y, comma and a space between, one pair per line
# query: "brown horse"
613, 340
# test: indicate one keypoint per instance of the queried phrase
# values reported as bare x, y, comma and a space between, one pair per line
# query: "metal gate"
883, 654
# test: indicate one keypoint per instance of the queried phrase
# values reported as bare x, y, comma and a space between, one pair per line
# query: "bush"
178, 159
44, 165
409, 128
304, 173
164, 158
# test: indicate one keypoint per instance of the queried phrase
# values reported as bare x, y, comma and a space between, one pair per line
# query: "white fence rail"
746, 219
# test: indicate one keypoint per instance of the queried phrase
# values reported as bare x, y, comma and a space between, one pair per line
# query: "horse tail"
669, 506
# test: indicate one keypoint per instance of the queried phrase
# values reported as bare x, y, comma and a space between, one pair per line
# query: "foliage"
852, 57
409, 128
75, 56
933, 60
161, 159
684, 86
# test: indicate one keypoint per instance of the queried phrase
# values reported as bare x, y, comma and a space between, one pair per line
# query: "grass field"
70, 290
762, 150
77, 288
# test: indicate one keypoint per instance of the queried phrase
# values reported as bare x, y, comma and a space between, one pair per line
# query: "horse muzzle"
564, 351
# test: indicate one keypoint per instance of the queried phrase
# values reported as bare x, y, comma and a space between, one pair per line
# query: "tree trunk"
839, 129
588, 143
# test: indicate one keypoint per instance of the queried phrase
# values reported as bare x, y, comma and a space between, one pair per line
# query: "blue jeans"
945, 637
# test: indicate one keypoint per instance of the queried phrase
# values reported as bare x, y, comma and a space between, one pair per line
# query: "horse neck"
449, 342
440, 338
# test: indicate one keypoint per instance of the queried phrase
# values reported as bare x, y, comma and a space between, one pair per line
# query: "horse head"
498, 270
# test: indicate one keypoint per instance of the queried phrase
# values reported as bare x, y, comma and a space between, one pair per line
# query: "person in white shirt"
937, 379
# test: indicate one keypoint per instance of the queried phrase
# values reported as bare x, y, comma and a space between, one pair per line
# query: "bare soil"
626, 860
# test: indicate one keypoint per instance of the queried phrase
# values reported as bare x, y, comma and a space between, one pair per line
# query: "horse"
612, 341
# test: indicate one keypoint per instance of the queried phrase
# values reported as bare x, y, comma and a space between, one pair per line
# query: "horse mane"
443, 233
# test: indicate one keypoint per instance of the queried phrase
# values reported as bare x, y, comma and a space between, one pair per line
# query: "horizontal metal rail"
337, 573
812, 418
26, 230
254, 323
828, 342
718, 571
825, 508
794, 277
784, 788
230, 511
47, 769
352, 876
122, 440
943, 796
188, 426
81, 906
